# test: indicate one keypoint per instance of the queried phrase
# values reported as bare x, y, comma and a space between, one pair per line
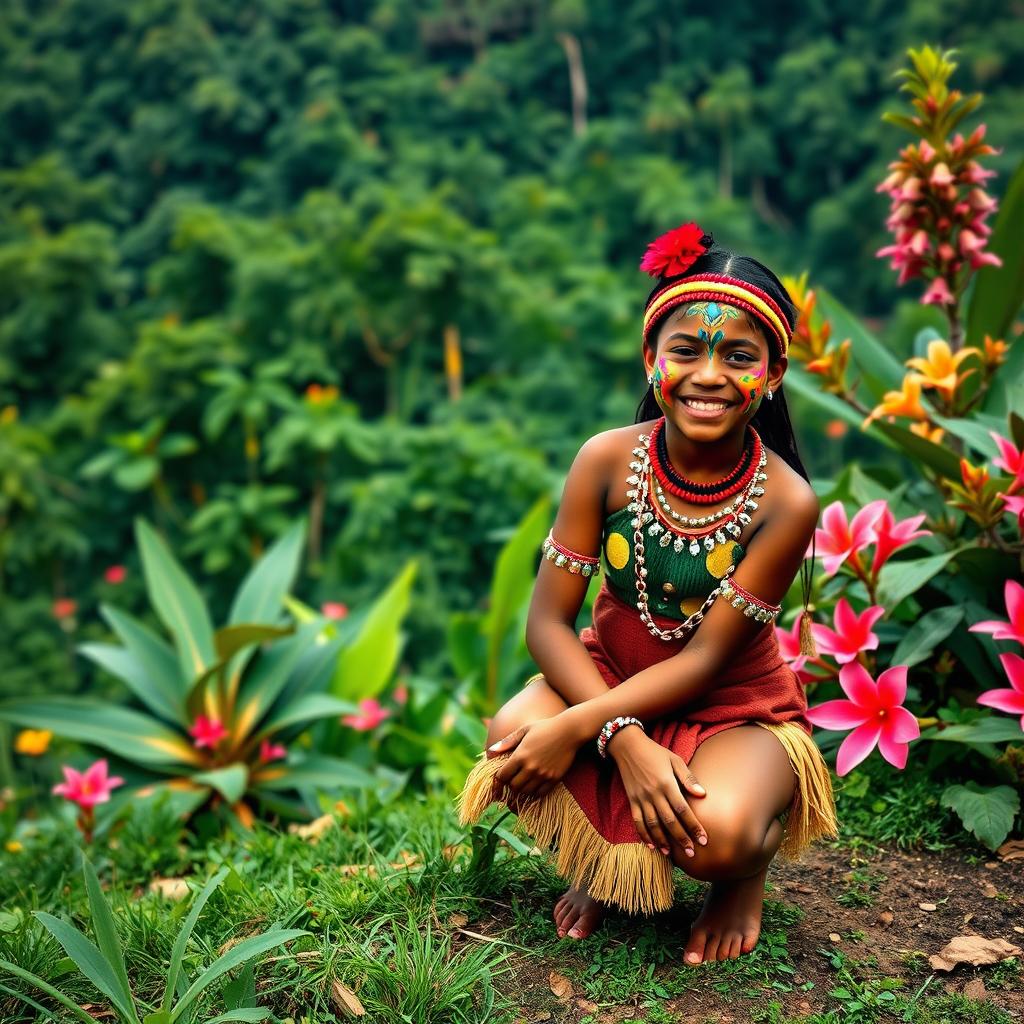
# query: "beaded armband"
578, 565
752, 606
609, 729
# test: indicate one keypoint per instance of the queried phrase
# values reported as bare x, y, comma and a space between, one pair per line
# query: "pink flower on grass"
334, 610
1010, 700
271, 751
1013, 595
874, 712
371, 715
88, 788
207, 732
115, 574
892, 535
852, 633
1011, 459
838, 540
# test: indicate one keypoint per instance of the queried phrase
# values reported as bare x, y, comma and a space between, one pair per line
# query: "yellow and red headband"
673, 253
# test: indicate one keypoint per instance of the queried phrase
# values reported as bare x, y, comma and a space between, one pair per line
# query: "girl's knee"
734, 849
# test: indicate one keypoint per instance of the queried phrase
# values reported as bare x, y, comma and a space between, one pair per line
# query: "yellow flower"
13, 846
905, 402
33, 742
974, 477
940, 369
927, 431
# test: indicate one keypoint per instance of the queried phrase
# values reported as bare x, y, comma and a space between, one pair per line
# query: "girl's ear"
648, 359
776, 371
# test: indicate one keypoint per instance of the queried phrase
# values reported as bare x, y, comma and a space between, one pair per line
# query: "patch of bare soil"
899, 908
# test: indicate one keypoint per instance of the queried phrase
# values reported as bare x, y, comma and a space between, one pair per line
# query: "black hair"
771, 420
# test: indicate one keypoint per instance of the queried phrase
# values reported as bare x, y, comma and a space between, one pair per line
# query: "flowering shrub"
905, 629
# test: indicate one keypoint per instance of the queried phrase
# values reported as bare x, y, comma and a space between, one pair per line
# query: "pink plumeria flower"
874, 712
334, 610
1011, 459
1014, 504
88, 788
1013, 595
892, 535
371, 715
852, 633
271, 751
839, 539
207, 732
1010, 700
937, 293
115, 574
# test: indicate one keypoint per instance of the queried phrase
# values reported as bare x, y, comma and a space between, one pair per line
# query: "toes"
729, 947
711, 948
749, 942
695, 946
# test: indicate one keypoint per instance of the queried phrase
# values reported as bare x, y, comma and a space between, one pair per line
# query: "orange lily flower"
995, 352
905, 402
927, 431
940, 370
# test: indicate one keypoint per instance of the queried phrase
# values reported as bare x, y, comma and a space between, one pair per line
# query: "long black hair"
771, 420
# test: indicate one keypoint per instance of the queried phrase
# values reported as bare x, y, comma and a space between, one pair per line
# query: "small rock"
458, 921
918, 884
886, 918
586, 1005
928, 906
990, 864
834, 936
990, 891
1017, 928
805, 1007
975, 989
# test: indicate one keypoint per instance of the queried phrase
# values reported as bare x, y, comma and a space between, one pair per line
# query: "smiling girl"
671, 732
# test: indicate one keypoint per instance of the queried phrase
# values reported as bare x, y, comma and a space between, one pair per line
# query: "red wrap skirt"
586, 817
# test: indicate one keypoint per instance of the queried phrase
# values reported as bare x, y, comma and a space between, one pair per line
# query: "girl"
703, 757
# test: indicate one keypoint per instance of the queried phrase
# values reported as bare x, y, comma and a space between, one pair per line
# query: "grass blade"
43, 986
105, 927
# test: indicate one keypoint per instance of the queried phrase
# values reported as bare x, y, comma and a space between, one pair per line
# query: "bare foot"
577, 914
729, 922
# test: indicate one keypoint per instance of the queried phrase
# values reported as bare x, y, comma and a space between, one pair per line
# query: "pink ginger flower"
1013, 595
271, 751
207, 732
1011, 460
1010, 700
1015, 505
892, 535
938, 293
334, 610
115, 574
839, 540
874, 712
88, 788
372, 714
852, 633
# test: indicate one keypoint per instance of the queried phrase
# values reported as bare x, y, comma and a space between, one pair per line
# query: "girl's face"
711, 368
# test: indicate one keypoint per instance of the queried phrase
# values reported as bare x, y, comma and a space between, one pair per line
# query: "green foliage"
988, 812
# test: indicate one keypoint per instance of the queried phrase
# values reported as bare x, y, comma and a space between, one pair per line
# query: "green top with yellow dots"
677, 584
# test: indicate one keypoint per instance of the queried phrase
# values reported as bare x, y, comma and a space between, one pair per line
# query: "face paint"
666, 373
712, 313
750, 387
711, 342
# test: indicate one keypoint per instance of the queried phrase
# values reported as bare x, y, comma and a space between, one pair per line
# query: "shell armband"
578, 565
752, 606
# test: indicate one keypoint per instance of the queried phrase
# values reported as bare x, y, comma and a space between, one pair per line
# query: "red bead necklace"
702, 493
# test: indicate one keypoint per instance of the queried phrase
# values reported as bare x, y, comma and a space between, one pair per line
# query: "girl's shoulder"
787, 492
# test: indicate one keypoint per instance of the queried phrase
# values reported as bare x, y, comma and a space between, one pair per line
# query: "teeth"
697, 404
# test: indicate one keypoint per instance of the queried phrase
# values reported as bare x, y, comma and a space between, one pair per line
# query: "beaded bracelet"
752, 606
578, 565
610, 728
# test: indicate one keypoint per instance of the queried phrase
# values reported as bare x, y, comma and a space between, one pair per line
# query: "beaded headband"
721, 288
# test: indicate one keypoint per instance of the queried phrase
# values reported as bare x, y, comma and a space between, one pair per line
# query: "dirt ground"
878, 914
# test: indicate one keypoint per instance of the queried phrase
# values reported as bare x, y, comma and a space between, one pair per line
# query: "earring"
769, 394
650, 378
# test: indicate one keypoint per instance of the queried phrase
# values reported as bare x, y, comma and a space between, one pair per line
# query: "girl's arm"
558, 594
768, 567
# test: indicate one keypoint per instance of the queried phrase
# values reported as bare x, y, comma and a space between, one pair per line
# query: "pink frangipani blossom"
838, 539
207, 732
937, 293
115, 574
371, 715
88, 788
852, 633
1013, 595
892, 535
1011, 460
874, 712
1014, 504
1009, 699
271, 751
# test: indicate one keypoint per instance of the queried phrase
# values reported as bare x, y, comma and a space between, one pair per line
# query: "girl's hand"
657, 783
542, 754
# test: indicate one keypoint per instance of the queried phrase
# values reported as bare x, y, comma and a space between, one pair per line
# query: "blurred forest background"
375, 264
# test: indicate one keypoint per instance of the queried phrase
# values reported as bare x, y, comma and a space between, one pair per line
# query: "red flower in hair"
673, 252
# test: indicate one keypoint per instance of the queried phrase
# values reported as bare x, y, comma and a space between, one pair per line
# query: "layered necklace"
695, 534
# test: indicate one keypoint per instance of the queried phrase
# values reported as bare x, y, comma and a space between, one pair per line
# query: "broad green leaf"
260, 596
926, 634
999, 291
88, 959
365, 666
137, 474
975, 433
804, 384
987, 812
159, 1017
466, 643
129, 734
230, 781
936, 457
106, 931
154, 654
991, 729
319, 771
249, 1013
514, 574
123, 664
181, 941
246, 950
898, 580
43, 986
307, 708
177, 601
229, 640
880, 370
